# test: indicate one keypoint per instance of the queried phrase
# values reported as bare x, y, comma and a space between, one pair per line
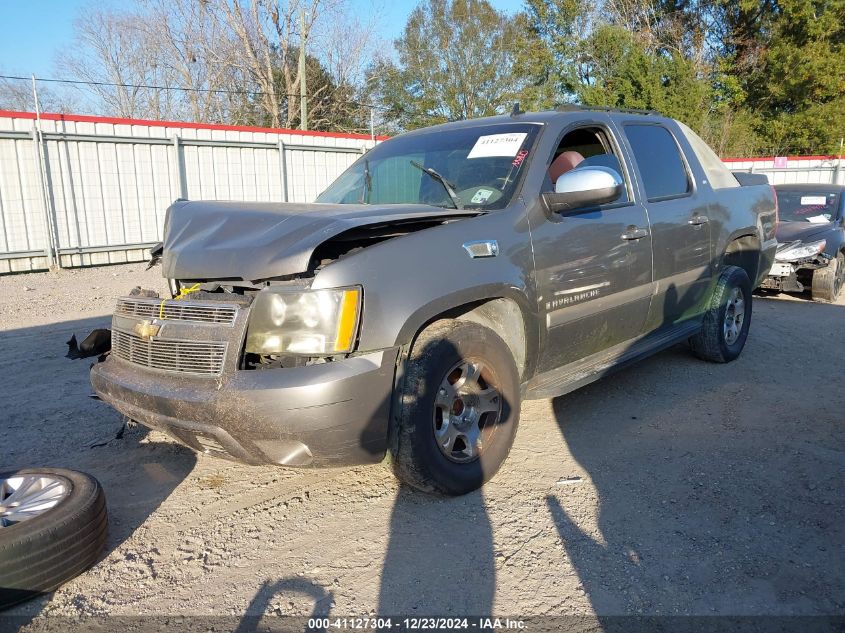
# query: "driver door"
593, 266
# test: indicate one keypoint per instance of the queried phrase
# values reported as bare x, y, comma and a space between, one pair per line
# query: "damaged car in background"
445, 276
811, 236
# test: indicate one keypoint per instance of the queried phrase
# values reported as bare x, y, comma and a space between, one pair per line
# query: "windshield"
472, 167
818, 207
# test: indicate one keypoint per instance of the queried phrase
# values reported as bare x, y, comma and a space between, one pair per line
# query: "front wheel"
828, 281
459, 408
725, 329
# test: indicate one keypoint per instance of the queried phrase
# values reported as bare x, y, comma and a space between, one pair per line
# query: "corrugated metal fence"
793, 169
80, 190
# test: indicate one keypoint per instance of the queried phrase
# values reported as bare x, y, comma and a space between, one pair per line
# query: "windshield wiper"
448, 186
368, 184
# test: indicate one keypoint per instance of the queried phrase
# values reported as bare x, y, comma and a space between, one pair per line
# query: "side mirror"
584, 187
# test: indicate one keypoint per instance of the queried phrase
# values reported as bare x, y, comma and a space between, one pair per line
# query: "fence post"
52, 250
179, 161
283, 170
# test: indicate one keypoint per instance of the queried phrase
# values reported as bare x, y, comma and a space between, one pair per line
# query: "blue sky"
32, 32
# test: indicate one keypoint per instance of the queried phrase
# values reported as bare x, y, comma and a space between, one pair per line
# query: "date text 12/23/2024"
416, 624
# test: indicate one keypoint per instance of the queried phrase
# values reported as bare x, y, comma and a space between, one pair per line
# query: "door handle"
698, 220
634, 233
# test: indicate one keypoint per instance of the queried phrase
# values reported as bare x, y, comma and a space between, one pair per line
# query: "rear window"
720, 177
814, 206
659, 160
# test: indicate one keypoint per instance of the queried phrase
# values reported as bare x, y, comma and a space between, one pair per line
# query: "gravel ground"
673, 487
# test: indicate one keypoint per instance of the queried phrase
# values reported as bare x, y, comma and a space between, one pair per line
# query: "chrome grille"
181, 310
188, 357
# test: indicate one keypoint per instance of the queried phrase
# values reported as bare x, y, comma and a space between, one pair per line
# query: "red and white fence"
83, 190
784, 170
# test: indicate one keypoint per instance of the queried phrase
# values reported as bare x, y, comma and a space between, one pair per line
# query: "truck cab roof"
566, 111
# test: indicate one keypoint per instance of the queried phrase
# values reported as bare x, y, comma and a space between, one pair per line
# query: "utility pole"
52, 250
303, 92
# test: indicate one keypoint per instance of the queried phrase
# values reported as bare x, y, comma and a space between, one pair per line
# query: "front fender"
443, 305
412, 279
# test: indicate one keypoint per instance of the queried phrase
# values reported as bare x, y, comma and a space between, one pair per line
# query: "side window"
583, 147
659, 159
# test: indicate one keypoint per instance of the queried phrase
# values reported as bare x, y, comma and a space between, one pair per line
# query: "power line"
240, 92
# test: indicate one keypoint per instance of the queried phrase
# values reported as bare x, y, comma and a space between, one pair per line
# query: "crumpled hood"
804, 231
254, 241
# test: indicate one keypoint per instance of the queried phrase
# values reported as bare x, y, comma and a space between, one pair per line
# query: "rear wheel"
725, 329
459, 408
828, 281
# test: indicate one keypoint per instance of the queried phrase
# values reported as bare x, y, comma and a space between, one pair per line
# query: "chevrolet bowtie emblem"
146, 329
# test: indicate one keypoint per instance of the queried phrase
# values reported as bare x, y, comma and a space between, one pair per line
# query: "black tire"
41, 553
418, 459
828, 281
712, 342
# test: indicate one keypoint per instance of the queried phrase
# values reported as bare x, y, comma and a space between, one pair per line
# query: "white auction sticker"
813, 200
497, 145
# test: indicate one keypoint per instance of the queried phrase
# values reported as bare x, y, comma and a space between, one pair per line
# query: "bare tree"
16, 94
177, 34
111, 52
224, 60
266, 32
346, 46
678, 28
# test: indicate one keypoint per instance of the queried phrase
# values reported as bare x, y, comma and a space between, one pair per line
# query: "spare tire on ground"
53, 526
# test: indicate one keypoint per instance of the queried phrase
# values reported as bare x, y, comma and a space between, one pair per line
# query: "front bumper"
333, 413
793, 276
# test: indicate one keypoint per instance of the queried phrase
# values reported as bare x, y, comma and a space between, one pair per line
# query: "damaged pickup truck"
447, 275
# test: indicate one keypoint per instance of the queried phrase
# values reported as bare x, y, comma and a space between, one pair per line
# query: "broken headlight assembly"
799, 250
303, 322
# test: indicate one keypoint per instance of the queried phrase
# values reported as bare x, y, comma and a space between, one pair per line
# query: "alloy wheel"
24, 497
734, 315
467, 410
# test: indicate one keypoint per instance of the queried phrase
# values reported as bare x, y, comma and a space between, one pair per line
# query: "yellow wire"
183, 292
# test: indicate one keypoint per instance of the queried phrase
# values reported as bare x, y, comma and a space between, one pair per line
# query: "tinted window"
657, 155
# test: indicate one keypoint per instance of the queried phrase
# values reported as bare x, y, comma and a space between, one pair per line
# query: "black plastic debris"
95, 344
155, 254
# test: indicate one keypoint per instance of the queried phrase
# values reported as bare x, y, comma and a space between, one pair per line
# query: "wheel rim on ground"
839, 279
734, 315
467, 410
24, 497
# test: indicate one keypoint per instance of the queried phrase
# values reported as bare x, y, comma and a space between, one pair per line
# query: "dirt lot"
674, 487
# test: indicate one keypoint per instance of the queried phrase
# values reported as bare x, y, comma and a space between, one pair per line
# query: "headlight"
308, 322
800, 251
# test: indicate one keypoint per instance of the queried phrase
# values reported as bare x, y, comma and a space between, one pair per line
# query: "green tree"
600, 60
457, 59
798, 88
616, 70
